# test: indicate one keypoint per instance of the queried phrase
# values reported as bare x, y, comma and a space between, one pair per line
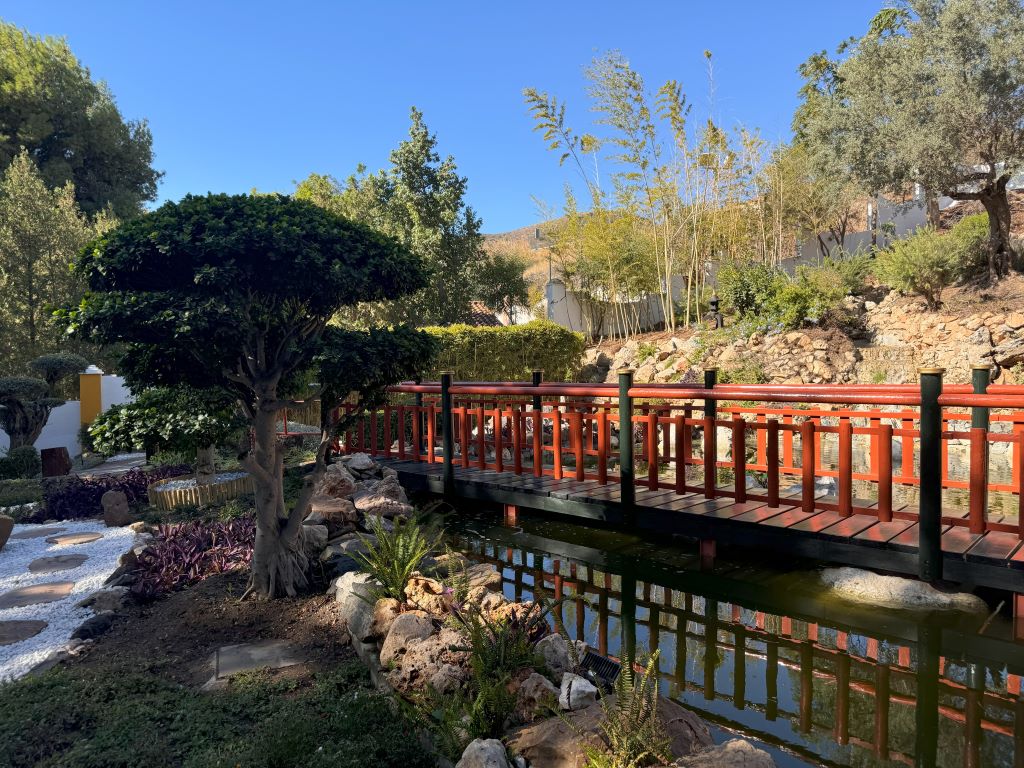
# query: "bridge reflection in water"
767, 653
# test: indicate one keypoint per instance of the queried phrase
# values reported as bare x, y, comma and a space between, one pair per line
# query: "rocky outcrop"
484, 753
425, 658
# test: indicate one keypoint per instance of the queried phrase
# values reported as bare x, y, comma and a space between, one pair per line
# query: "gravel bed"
62, 616
190, 482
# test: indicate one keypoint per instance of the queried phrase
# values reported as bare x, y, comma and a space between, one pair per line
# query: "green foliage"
749, 288
394, 556
500, 282
71, 126
160, 419
20, 464
633, 734
80, 718
26, 402
420, 201
499, 649
14, 493
41, 231
507, 353
970, 239
645, 350
924, 264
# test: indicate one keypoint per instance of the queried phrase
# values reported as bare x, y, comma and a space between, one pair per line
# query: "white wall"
113, 391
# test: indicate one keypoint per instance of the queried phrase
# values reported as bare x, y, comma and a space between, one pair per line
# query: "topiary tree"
26, 402
235, 293
179, 419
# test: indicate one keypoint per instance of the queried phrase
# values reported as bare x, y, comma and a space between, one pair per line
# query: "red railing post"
845, 484
739, 458
680, 427
602, 445
538, 442
807, 461
884, 469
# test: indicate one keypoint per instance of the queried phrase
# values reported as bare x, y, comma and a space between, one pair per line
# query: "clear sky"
259, 94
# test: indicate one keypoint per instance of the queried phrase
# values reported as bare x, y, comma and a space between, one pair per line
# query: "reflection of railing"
888, 674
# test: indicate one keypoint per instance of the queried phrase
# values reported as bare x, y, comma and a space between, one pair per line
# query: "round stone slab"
56, 563
15, 631
68, 539
36, 594
35, 533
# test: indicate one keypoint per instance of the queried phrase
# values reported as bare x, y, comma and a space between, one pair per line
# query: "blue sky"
259, 94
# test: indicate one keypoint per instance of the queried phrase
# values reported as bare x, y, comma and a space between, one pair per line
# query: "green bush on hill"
925, 263
507, 353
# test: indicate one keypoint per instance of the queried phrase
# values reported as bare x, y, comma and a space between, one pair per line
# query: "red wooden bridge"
856, 474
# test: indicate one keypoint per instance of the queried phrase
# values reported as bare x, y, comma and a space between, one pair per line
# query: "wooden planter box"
198, 495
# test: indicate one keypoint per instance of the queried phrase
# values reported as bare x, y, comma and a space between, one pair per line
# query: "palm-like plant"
393, 555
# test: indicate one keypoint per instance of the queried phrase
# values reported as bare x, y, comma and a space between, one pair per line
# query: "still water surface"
763, 651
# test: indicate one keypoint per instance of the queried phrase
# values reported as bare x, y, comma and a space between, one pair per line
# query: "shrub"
20, 464
395, 555
72, 498
14, 493
924, 264
749, 288
189, 552
507, 353
970, 238
499, 649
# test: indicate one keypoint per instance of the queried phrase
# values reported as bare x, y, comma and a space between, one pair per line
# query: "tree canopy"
26, 401
420, 201
71, 126
236, 293
930, 95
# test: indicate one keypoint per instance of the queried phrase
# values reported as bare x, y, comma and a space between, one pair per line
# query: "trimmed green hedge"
507, 353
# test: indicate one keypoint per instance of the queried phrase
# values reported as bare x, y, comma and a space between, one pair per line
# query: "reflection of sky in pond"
810, 719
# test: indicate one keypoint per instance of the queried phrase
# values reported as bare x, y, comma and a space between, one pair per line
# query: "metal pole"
626, 474
980, 377
447, 439
710, 435
929, 546
538, 377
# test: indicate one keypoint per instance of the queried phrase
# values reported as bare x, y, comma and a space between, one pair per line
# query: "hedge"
507, 353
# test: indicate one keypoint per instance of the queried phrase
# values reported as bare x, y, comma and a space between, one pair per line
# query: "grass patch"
16, 492
87, 718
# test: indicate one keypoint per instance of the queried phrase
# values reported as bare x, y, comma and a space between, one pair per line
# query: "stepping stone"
36, 594
35, 533
232, 659
56, 563
15, 631
69, 539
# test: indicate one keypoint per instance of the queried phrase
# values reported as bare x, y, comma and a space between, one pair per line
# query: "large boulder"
735, 753
382, 498
353, 593
116, 511
336, 482
314, 539
555, 652
405, 629
429, 595
536, 697
423, 659
484, 753
385, 611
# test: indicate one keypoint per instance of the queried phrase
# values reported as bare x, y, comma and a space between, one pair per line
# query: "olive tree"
931, 95
236, 293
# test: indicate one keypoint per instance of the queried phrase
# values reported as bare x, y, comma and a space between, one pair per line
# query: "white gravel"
190, 482
62, 616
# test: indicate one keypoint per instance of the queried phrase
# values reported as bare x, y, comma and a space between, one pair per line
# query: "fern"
394, 556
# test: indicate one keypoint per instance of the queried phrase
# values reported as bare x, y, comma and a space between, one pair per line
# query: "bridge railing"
836, 448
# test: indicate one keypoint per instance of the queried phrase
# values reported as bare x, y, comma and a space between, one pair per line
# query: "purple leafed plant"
189, 552
77, 497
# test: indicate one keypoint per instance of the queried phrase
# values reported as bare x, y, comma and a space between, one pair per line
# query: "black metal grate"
601, 667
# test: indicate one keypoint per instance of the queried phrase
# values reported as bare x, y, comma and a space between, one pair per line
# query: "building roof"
480, 314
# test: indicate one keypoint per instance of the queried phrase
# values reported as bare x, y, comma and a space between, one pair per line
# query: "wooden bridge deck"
993, 558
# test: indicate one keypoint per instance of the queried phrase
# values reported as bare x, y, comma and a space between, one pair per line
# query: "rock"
56, 462
448, 678
577, 693
353, 594
382, 498
897, 592
405, 629
686, 732
484, 753
336, 482
556, 655
424, 658
94, 626
485, 600
385, 611
537, 696
735, 753
484, 575
314, 539
429, 595
360, 462
6, 526
116, 511
333, 509
111, 599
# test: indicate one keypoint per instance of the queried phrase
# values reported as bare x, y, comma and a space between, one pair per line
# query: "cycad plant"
632, 732
393, 555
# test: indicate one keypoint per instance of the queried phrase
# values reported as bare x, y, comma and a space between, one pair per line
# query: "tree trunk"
1000, 253
206, 465
24, 422
931, 201
279, 563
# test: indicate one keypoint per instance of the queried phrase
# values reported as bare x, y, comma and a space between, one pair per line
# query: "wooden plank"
994, 545
817, 523
721, 508
1016, 559
576, 489
849, 527
761, 514
732, 510
881, 533
650, 497
787, 519
958, 539
685, 502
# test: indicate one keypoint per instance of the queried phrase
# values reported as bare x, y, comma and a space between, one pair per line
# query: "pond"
764, 652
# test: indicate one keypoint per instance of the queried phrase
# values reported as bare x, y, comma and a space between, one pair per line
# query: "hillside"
524, 242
